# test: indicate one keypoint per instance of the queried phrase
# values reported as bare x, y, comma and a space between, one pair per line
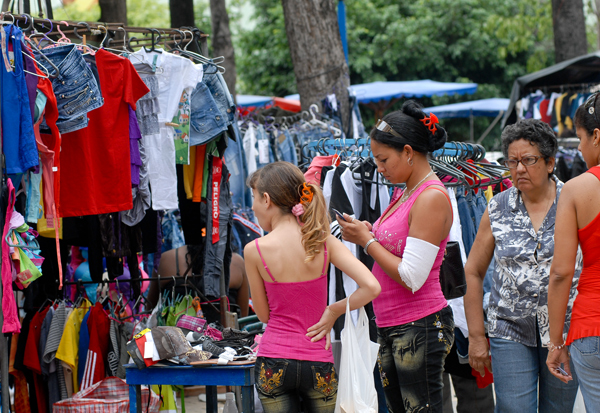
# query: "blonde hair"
284, 182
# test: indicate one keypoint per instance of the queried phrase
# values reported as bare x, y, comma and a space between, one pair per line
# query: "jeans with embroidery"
280, 383
411, 362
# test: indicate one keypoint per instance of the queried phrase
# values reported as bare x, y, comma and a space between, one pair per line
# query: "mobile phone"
561, 371
338, 213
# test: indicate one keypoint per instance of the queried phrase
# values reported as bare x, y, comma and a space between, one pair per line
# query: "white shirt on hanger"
174, 74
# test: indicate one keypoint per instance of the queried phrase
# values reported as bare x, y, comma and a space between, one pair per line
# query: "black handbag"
452, 272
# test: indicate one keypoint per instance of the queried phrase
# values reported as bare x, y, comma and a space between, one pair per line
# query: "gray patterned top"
523, 258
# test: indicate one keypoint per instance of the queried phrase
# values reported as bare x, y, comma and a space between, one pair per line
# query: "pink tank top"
294, 307
397, 305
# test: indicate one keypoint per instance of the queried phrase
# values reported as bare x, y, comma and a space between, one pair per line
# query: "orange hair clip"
307, 194
430, 122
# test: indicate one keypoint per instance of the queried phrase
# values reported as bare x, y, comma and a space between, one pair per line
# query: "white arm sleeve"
417, 262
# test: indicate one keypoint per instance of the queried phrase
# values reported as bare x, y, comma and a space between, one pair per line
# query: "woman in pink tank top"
287, 271
415, 324
578, 223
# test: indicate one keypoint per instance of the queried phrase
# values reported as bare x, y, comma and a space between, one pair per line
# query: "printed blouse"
523, 257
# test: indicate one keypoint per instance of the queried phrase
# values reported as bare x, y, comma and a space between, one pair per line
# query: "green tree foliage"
263, 59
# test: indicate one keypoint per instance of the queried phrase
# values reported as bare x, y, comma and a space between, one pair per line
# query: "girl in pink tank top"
287, 272
415, 324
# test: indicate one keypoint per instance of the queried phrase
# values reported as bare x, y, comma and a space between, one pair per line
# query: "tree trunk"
113, 11
221, 41
317, 52
182, 13
569, 29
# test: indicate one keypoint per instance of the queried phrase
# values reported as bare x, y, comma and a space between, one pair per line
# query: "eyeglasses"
526, 161
590, 106
385, 127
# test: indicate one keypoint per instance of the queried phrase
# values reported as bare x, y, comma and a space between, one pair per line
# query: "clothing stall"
113, 151
553, 95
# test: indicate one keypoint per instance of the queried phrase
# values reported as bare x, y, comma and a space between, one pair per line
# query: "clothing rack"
102, 34
138, 279
561, 88
100, 30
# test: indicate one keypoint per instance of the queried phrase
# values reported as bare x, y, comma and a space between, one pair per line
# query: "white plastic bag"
356, 387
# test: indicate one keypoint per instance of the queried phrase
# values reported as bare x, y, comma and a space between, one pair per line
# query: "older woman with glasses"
578, 223
517, 230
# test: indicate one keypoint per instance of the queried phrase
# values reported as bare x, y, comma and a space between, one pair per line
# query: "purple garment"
134, 136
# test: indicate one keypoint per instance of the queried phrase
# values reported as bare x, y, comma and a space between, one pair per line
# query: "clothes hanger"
155, 40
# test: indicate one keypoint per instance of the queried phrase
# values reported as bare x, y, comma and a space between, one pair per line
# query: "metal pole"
471, 122
489, 129
342, 25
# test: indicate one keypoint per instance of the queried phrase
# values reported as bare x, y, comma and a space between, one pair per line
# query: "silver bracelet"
372, 240
552, 346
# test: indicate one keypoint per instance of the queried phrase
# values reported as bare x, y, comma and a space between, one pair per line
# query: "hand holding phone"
560, 370
339, 214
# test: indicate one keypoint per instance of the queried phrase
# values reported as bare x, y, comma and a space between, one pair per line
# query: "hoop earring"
410, 162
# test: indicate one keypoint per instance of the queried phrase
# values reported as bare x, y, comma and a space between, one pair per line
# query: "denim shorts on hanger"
219, 91
206, 120
76, 89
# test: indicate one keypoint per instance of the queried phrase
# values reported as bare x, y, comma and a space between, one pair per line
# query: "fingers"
368, 225
328, 343
560, 376
480, 365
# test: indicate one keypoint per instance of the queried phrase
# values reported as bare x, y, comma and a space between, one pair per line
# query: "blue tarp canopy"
382, 91
253, 100
484, 107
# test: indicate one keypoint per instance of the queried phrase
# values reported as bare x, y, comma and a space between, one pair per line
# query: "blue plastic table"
211, 377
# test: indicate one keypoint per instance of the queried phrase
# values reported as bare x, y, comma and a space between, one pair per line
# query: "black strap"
177, 261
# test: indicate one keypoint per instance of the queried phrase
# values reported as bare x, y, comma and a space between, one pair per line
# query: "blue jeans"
262, 135
236, 162
411, 362
523, 383
585, 356
467, 220
280, 382
479, 206
206, 120
76, 89
288, 149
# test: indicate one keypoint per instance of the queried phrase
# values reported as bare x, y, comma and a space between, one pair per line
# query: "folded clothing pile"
201, 343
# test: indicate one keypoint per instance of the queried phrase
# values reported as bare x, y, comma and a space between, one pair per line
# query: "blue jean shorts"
76, 89
206, 120
220, 93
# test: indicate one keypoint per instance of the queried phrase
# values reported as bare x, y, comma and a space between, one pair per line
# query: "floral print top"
523, 257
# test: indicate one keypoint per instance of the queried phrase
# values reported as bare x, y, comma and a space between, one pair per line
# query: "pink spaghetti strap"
443, 192
325, 261
263, 261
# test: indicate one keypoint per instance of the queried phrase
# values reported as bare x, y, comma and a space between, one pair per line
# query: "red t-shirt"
96, 360
96, 175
